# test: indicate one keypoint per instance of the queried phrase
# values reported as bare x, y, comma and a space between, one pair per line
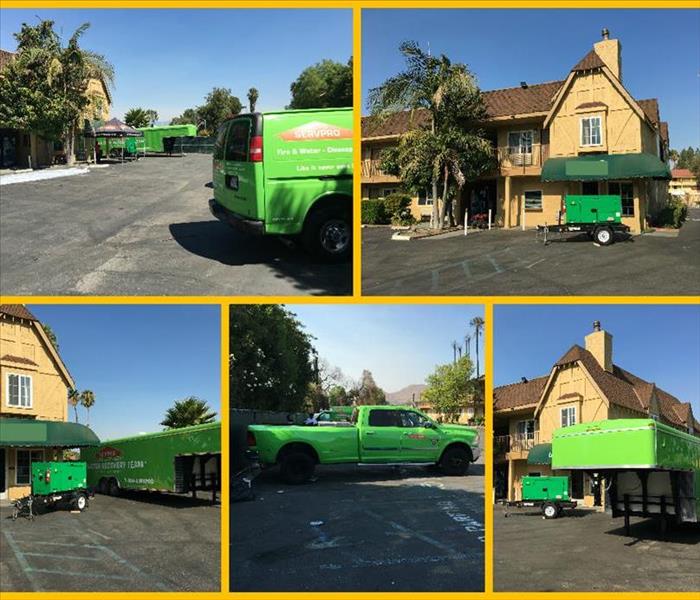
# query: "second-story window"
591, 131
568, 416
19, 390
520, 142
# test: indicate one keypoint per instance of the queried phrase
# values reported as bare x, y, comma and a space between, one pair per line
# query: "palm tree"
449, 93
478, 324
190, 411
87, 399
252, 99
74, 400
137, 117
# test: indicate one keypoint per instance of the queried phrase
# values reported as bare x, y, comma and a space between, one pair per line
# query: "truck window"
384, 418
324, 416
410, 419
237, 140
219, 143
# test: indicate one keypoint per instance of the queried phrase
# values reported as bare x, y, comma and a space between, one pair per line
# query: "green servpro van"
182, 460
288, 173
651, 469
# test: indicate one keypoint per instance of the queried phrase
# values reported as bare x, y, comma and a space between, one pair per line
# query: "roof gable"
589, 62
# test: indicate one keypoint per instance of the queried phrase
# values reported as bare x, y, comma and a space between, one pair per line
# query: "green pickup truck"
388, 435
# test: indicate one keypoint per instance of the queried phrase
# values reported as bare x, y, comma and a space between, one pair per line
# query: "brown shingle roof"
17, 310
620, 387
663, 130
395, 124
588, 62
650, 106
18, 359
518, 395
682, 174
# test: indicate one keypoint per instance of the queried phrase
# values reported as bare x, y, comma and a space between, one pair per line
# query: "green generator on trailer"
651, 469
549, 493
55, 484
600, 216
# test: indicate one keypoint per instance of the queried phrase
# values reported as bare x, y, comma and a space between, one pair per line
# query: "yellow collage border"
488, 302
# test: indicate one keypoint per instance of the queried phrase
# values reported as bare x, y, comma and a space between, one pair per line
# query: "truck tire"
604, 236
455, 461
113, 489
550, 510
80, 502
103, 486
328, 234
297, 467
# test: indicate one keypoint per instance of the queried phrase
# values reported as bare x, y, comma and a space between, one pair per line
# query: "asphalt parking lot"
144, 228
361, 529
588, 551
143, 542
513, 262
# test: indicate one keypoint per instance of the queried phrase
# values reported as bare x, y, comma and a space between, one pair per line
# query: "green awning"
602, 167
51, 434
541, 454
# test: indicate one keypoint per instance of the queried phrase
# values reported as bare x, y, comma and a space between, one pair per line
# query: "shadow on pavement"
216, 241
166, 500
649, 530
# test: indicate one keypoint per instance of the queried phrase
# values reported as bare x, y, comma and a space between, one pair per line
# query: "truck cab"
288, 173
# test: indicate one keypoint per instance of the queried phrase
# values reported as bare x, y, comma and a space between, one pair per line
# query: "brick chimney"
599, 344
610, 52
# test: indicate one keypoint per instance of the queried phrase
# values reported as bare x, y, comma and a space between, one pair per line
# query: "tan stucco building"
584, 385
24, 149
684, 186
34, 389
588, 112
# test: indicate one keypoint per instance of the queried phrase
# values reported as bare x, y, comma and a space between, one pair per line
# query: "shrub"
374, 212
672, 215
395, 203
403, 217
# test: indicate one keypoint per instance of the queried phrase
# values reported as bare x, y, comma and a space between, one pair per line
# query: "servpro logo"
108, 452
316, 130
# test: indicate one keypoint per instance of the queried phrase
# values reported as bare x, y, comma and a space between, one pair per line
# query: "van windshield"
237, 140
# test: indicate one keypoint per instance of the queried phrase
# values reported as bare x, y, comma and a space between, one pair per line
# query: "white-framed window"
526, 429
626, 192
425, 198
23, 465
533, 200
520, 142
568, 416
591, 131
19, 390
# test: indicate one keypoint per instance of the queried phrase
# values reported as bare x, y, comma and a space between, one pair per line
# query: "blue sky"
137, 359
659, 343
660, 50
400, 344
169, 60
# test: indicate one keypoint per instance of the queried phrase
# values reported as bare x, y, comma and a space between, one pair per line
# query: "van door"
238, 183
418, 443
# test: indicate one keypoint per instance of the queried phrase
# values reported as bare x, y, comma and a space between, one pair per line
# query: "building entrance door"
577, 485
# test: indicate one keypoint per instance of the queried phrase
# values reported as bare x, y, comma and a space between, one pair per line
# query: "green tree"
453, 149
218, 106
327, 84
316, 399
74, 400
137, 117
44, 88
451, 388
188, 117
271, 363
87, 400
51, 335
152, 116
368, 392
187, 412
252, 99
688, 158
338, 396
478, 324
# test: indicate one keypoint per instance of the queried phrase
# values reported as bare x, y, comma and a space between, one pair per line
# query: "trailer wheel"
550, 510
455, 461
113, 487
80, 502
297, 467
604, 236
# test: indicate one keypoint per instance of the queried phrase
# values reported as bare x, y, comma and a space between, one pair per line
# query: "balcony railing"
521, 442
514, 156
370, 168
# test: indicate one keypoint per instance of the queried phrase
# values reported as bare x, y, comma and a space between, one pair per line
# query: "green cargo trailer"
652, 470
183, 460
154, 136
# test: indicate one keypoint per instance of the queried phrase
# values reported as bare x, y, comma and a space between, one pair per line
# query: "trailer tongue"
652, 470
